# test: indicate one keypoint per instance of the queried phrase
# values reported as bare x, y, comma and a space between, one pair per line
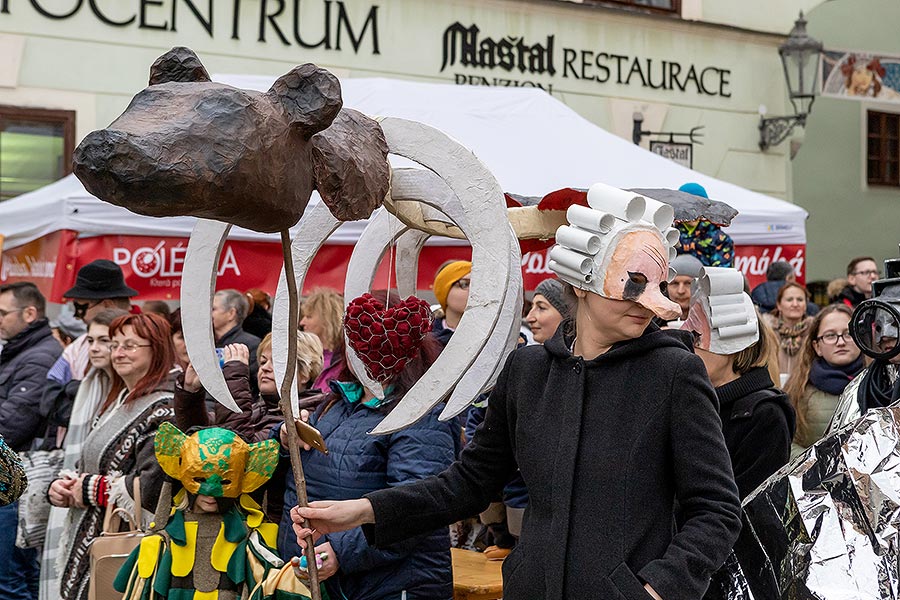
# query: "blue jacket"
358, 463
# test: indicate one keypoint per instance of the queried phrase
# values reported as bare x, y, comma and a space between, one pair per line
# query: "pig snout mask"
188, 146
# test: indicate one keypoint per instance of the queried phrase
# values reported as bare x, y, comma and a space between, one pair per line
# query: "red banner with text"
153, 265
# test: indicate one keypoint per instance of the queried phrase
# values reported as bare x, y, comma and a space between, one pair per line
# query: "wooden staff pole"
290, 428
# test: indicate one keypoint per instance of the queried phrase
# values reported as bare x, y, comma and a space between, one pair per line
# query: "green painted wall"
847, 217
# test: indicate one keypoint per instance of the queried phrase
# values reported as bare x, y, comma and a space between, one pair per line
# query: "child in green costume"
216, 544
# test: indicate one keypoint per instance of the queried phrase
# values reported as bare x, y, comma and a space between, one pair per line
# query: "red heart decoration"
385, 339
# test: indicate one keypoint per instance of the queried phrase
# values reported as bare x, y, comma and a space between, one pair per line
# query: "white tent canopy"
533, 144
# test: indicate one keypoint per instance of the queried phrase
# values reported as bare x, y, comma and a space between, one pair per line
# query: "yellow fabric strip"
148, 555
269, 533
254, 511
183, 556
213, 595
222, 551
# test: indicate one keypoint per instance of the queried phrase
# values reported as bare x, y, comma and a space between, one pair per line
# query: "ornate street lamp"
800, 59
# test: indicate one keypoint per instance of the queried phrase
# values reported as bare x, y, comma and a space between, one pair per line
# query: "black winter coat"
759, 422
24, 363
850, 297
258, 322
605, 447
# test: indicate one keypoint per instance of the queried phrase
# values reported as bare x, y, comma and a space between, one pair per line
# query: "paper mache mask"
722, 316
618, 248
215, 462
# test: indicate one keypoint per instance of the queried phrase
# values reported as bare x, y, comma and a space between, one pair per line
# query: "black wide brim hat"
99, 280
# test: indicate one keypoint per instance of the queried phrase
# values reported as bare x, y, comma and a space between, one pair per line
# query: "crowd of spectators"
97, 381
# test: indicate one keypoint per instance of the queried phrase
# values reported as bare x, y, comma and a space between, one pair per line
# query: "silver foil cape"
827, 525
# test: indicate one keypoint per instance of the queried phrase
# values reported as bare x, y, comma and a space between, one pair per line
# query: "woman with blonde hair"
259, 415
740, 353
323, 312
827, 362
790, 323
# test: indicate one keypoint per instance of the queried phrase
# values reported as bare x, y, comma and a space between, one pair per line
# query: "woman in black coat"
758, 420
610, 423
740, 353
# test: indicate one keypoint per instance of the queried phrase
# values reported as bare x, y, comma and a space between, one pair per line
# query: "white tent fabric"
533, 144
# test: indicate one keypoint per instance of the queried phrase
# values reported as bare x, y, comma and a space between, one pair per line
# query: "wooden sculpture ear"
178, 64
350, 160
310, 96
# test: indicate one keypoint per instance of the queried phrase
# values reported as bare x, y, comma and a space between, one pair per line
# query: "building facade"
846, 173
70, 66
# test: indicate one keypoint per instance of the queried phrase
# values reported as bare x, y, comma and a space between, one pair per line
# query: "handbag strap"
112, 518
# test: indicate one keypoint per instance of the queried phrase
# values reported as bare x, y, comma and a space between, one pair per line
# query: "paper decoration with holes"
618, 247
386, 339
722, 316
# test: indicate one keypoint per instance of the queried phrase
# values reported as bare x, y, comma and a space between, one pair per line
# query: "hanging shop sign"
513, 61
681, 153
860, 76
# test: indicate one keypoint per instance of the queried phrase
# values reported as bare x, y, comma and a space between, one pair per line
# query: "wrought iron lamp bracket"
774, 130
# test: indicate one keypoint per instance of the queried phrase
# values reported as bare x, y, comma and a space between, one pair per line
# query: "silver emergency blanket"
826, 525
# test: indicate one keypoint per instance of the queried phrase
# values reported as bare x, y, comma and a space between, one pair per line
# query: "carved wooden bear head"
188, 146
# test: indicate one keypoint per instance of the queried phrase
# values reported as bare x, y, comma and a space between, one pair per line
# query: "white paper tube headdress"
618, 248
722, 316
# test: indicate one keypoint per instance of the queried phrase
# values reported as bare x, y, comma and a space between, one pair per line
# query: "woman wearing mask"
638, 431
119, 447
790, 323
737, 349
828, 361
322, 313
92, 392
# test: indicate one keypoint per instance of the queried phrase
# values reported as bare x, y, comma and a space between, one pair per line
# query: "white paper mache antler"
456, 193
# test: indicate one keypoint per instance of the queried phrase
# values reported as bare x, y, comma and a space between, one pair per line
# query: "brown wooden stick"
290, 428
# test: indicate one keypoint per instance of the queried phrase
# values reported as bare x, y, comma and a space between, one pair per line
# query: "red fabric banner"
153, 265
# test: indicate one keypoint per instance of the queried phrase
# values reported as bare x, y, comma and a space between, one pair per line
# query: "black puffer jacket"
24, 363
605, 447
759, 422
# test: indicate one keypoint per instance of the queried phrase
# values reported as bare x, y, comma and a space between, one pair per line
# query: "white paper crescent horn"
198, 284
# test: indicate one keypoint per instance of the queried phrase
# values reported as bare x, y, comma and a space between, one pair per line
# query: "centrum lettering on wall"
277, 19
467, 47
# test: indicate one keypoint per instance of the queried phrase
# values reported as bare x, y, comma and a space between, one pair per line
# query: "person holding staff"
611, 422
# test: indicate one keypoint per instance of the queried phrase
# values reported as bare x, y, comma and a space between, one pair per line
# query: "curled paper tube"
672, 274
661, 215
726, 299
624, 205
572, 260
574, 277
578, 239
738, 330
724, 280
728, 320
590, 219
672, 253
721, 312
672, 236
